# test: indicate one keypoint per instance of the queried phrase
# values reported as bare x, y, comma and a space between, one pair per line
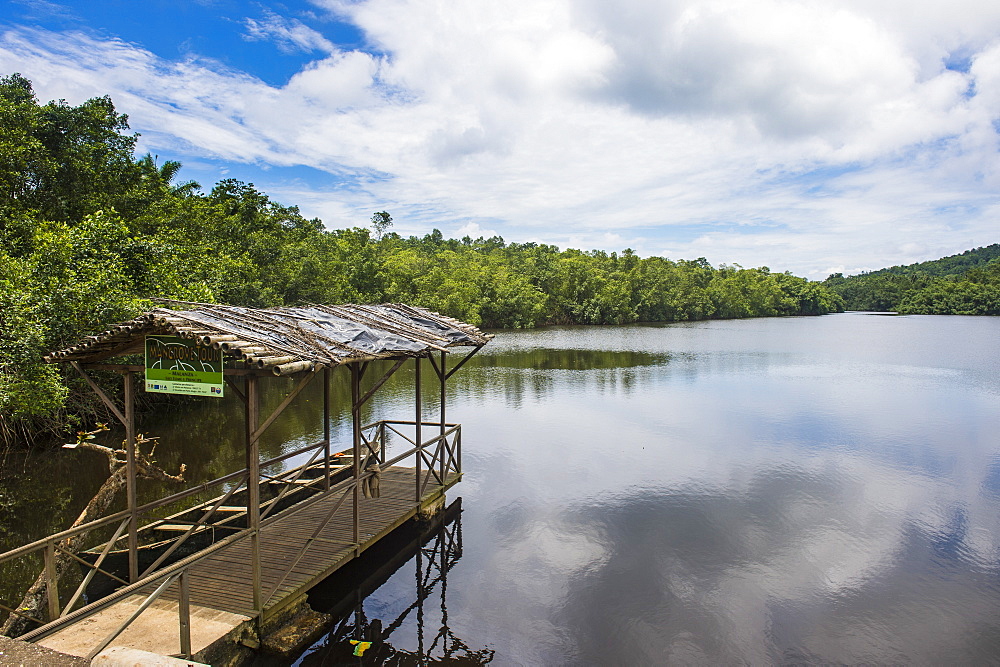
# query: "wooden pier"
299, 550
223, 572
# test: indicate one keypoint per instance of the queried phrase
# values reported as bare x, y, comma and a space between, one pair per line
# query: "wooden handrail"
143, 509
443, 453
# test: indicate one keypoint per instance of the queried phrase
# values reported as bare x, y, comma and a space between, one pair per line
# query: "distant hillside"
953, 265
963, 284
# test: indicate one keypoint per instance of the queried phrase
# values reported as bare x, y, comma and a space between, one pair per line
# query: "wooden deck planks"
223, 580
220, 587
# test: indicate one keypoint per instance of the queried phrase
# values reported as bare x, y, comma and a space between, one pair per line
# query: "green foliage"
963, 284
62, 161
89, 234
976, 293
954, 298
953, 265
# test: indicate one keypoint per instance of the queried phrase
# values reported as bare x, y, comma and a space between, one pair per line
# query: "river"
795, 490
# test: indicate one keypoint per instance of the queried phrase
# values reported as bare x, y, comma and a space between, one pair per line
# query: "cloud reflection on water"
773, 498
813, 563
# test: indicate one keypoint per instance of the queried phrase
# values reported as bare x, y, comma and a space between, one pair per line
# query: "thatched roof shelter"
306, 343
288, 340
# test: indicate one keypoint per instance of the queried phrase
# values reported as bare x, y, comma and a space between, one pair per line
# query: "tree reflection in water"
432, 549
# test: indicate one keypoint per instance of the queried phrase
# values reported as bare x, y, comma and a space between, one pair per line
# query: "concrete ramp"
155, 631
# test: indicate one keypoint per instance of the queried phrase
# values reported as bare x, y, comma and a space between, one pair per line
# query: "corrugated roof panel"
289, 339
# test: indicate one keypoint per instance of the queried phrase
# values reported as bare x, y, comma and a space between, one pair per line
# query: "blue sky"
232, 33
803, 136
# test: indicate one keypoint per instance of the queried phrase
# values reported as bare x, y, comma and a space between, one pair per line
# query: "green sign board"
178, 366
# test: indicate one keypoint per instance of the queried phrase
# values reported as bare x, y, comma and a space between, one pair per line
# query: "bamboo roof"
287, 340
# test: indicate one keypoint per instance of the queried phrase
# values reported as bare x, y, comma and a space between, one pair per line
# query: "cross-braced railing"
223, 516
436, 460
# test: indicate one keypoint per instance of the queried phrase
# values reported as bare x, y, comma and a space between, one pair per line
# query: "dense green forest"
963, 284
90, 232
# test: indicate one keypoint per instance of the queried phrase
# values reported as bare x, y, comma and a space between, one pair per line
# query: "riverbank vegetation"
89, 233
963, 284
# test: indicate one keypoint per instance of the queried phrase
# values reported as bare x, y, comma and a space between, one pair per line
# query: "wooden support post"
417, 437
52, 580
441, 442
253, 488
130, 482
356, 431
184, 609
326, 428
382, 443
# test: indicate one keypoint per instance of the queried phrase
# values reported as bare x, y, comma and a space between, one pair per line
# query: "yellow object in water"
360, 647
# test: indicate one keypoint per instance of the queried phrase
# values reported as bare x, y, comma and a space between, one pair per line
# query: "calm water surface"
762, 491
820, 490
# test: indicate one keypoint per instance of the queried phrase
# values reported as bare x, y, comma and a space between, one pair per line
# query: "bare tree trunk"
35, 602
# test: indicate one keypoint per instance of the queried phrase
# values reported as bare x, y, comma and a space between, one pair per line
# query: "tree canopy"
964, 284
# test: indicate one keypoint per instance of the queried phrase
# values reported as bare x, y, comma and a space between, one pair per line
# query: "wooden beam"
52, 581
138, 368
184, 610
130, 486
236, 388
437, 370
326, 428
371, 392
100, 393
253, 489
462, 362
303, 383
444, 384
356, 373
419, 418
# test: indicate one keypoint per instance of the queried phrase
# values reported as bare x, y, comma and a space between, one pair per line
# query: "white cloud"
474, 231
792, 134
290, 35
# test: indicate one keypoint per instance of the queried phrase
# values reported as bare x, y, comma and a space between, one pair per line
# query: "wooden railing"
151, 514
435, 458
